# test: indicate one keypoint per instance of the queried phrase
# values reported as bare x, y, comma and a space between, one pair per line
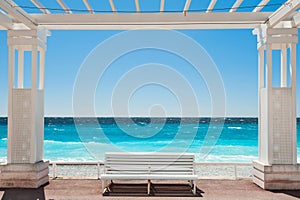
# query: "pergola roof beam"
88, 6
18, 14
152, 20
260, 5
112, 5
296, 19
211, 6
40, 6
6, 22
283, 12
137, 6
236, 5
187, 5
64, 6
162, 5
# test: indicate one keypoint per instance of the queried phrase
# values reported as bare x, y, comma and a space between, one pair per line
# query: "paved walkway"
91, 189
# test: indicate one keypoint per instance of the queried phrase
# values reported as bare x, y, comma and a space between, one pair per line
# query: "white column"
11, 66
293, 57
42, 69
283, 68
269, 101
261, 68
261, 85
33, 99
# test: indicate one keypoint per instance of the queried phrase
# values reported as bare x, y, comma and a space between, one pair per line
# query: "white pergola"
28, 27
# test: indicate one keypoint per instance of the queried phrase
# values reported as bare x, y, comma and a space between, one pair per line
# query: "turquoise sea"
87, 139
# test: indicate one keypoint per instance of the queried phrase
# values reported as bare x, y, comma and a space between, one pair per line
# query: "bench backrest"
149, 163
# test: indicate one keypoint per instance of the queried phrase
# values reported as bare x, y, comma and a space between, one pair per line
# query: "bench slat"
147, 177
156, 164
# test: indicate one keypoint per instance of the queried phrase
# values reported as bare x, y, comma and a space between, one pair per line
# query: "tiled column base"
24, 175
276, 177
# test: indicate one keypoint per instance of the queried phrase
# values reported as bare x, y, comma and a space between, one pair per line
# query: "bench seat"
149, 166
147, 177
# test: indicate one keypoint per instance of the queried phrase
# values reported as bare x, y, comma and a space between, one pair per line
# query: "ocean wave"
233, 127
4, 139
71, 143
3, 159
59, 129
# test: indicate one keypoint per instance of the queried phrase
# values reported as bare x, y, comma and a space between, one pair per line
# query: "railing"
205, 170
228, 170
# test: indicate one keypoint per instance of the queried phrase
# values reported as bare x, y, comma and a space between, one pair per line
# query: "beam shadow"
23, 193
157, 189
293, 193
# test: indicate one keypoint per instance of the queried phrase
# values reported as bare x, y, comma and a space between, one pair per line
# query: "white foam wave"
233, 127
70, 143
59, 129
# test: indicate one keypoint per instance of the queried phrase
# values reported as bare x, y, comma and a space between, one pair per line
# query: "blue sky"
233, 51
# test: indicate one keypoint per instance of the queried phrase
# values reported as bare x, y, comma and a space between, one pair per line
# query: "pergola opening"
29, 23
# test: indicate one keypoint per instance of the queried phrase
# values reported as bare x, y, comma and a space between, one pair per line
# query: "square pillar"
277, 112
25, 167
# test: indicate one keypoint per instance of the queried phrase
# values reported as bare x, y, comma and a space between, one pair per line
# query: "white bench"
149, 166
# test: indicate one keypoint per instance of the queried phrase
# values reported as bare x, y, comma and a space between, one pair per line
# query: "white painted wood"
261, 79
260, 5
11, 66
151, 20
269, 104
42, 70
88, 6
5, 21
64, 6
33, 138
283, 39
40, 6
21, 33
293, 66
25, 41
283, 68
187, 5
211, 6
283, 12
168, 26
263, 127
261, 69
137, 6
296, 19
18, 14
20, 68
236, 5
282, 31
148, 166
147, 176
162, 5
112, 5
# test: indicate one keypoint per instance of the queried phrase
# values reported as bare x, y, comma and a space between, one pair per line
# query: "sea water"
87, 139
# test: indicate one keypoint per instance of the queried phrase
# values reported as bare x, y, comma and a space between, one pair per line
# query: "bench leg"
102, 184
149, 186
194, 187
105, 186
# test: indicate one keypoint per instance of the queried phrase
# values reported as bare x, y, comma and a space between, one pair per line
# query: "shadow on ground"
293, 193
167, 190
23, 194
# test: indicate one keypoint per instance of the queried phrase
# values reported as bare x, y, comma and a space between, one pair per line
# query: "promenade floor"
91, 189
